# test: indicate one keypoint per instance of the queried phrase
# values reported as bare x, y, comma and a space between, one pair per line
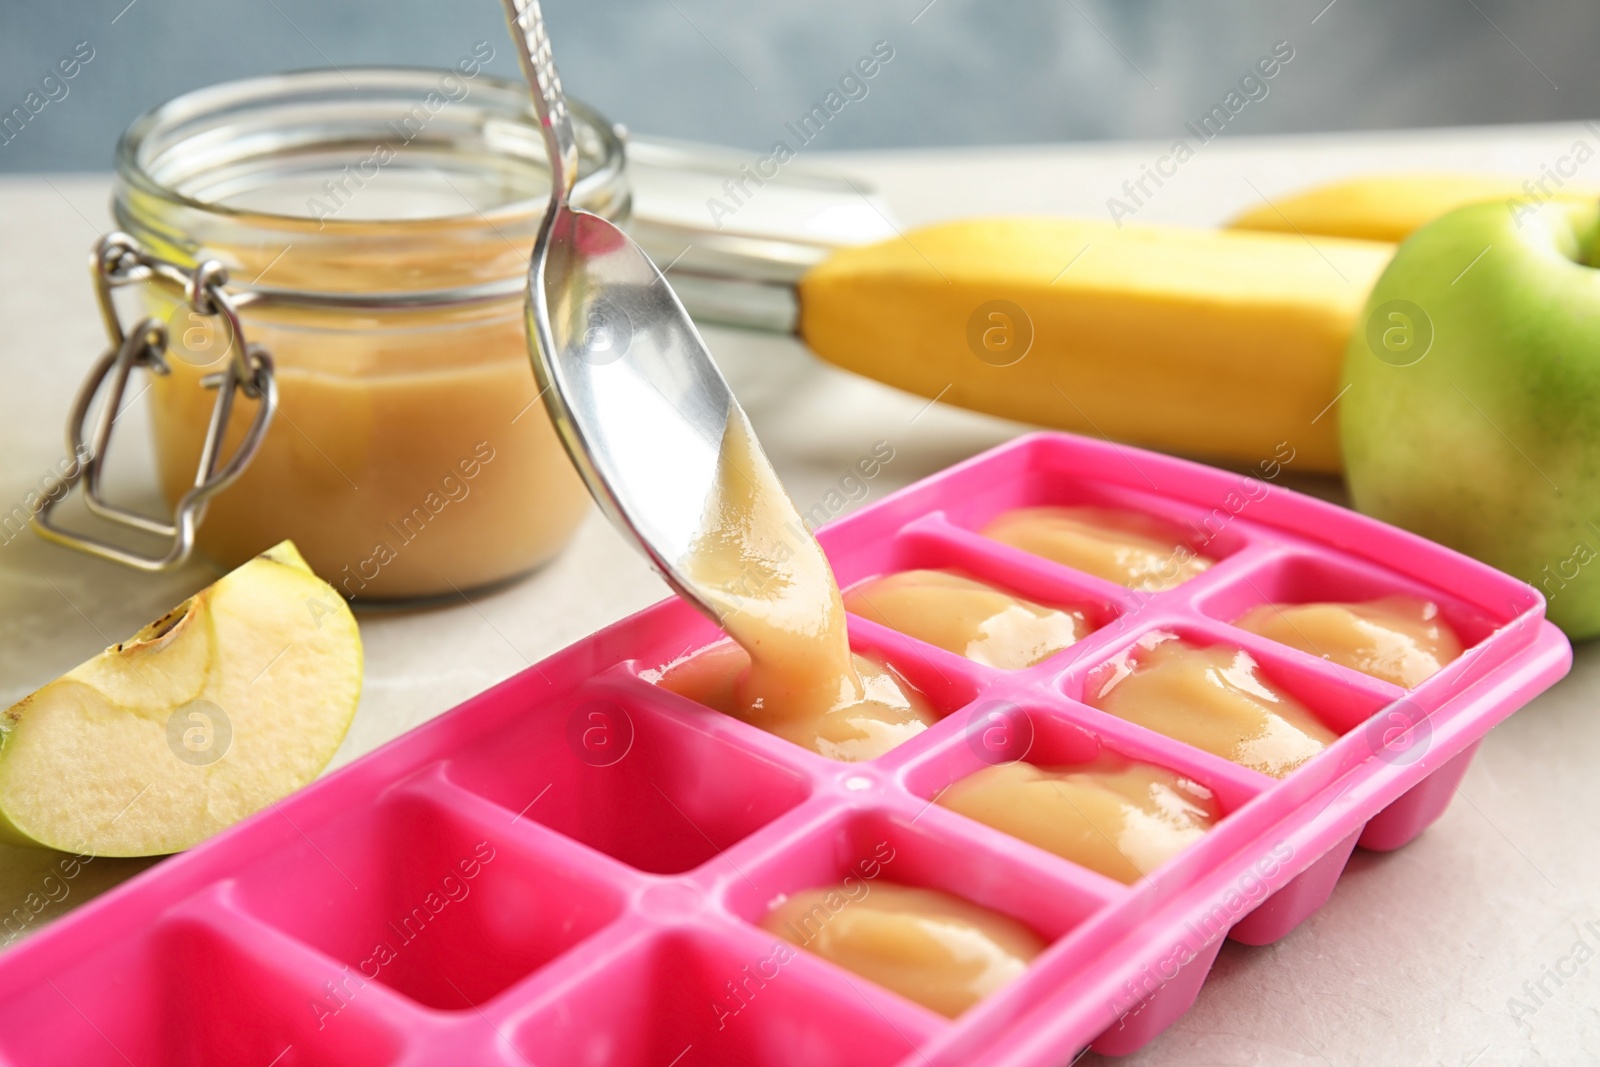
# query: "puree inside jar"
930, 947
1400, 639
1119, 817
967, 617
1125, 547
773, 591
409, 455
1214, 698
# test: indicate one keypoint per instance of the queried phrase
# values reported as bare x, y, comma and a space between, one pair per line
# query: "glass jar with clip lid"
329, 270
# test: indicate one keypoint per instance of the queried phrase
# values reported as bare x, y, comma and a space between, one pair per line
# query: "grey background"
964, 72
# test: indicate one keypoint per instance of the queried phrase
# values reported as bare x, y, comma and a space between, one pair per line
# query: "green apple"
1472, 415
233, 699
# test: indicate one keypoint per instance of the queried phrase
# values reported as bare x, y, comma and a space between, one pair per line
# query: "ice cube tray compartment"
197, 990
935, 545
947, 683
1293, 577
1042, 477
1340, 698
440, 902
910, 844
1057, 736
718, 999
621, 768
638, 838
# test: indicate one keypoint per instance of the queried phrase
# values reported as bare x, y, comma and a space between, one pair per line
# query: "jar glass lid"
367, 168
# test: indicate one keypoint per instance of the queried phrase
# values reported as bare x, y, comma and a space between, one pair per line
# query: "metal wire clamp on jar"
116, 261
372, 237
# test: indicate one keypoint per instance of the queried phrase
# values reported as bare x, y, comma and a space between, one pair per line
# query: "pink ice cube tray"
570, 867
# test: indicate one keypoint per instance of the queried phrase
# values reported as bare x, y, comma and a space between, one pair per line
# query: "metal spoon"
627, 379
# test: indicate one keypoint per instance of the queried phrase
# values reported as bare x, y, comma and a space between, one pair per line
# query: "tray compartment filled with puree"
1129, 548
791, 670
930, 947
1399, 639
1212, 697
958, 613
1118, 816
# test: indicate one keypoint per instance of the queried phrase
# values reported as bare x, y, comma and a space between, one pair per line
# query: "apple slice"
235, 698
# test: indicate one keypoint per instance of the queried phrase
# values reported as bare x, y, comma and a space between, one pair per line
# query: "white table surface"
1414, 958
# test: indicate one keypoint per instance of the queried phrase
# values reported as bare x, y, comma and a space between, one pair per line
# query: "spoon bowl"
630, 385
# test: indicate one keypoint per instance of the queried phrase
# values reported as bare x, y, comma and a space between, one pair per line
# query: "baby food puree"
966, 617
1213, 698
399, 475
1400, 639
1120, 546
1116, 816
774, 593
409, 455
928, 946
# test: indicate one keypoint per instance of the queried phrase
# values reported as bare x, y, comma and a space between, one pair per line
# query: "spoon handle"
526, 22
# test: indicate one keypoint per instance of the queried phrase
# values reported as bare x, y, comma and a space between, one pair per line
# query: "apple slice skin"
231, 701
1490, 441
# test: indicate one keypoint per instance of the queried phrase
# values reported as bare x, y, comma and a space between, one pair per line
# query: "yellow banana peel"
1223, 344
1390, 207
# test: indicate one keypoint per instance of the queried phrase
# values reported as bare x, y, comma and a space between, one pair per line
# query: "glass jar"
375, 224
